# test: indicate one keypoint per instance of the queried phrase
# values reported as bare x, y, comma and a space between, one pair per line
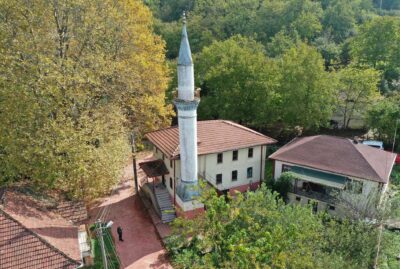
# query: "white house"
231, 157
324, 166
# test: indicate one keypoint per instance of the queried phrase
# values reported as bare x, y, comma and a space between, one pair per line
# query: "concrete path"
141, 247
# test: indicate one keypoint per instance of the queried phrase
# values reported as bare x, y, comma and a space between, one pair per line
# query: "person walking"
119, 231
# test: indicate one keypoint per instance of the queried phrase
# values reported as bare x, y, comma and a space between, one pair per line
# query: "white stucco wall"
185, 82
208, 166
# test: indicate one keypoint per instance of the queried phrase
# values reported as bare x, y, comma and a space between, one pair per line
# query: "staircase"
164, 203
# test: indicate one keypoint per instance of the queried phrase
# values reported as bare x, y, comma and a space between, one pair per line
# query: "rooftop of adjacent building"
38, 233
338, 155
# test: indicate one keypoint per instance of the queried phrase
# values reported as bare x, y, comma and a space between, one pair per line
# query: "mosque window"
234, 175
219, 158
235, 155
219, 178
250, 172
250, 153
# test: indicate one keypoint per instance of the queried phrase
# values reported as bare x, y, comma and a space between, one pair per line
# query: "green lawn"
96, 250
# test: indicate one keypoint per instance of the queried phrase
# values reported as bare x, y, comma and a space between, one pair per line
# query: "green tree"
306, 92
382, 117
377, 45
302, 16
237, 81
258, 230
74, 77
358, 89
339, 18
281, 42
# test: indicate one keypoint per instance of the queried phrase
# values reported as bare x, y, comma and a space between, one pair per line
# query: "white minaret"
186, 104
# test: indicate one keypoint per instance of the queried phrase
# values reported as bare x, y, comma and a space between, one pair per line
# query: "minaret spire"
186, 104
185, 67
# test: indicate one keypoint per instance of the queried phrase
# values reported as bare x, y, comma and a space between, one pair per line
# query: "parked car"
373, 143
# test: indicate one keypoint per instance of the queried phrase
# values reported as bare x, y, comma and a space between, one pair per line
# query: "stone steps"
165, 204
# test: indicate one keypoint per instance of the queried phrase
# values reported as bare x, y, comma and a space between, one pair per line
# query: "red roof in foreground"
42, 221
73, 211
213, 136
338, 155
21, 248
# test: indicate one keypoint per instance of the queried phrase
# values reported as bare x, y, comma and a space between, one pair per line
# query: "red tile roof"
338, 155
73, 211
20, 248
46, 223
213, 136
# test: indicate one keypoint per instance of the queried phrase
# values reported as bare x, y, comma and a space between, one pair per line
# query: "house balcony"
326, 196
316, 185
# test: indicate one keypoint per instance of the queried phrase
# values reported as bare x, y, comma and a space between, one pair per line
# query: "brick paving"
142, 247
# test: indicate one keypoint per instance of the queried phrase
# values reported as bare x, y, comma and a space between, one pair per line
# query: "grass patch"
395, 176
268, 177
96, 250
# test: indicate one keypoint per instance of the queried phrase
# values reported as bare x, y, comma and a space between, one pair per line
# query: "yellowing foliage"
75, 77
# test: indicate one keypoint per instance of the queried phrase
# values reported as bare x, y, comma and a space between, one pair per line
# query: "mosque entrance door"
163, 180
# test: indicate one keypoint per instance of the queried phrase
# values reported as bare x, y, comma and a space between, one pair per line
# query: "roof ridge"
162, 129
365, 159
291, 142
44, 241
38, 206
245, 128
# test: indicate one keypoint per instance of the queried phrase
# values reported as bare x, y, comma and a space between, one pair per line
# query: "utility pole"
134, 162
102, 246
395, 134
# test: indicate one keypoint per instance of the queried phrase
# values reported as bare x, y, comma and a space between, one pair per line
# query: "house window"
171, 163
156, 149
286, 168
171, 183
235, 155
250, 153
250, 172
354, 186
219, 158
163, 157
234, 175
219, 178
298, 198
331, 207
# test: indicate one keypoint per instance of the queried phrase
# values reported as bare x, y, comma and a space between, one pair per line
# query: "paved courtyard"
141, 247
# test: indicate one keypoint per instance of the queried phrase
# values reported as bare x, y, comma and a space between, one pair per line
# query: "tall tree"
339, 19
383, 117
358, 88
377, 45
237, 80
72, 76
306, 92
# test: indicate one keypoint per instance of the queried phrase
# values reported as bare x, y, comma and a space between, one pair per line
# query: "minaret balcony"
196, 93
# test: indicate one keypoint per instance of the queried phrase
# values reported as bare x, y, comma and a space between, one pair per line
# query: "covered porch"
155, 190
317, 185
